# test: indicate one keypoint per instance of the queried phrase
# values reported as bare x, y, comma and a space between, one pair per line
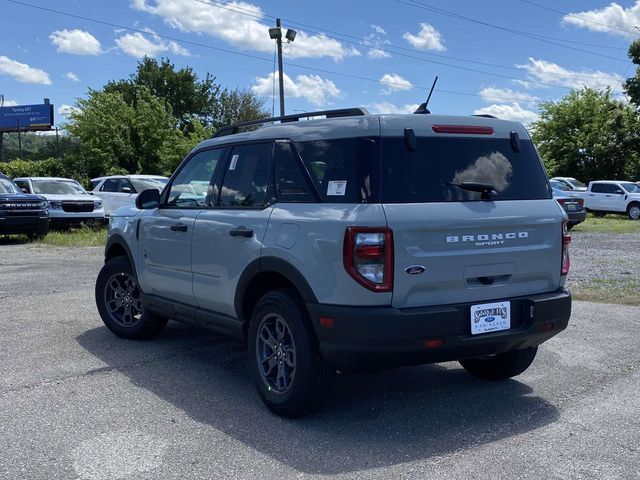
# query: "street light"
276, 34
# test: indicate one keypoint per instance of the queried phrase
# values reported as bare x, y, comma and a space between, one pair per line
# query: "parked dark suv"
22, 213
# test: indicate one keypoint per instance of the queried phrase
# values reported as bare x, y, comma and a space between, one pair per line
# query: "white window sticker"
234, 162
337, 188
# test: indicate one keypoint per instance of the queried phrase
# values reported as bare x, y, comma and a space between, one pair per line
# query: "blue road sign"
26, 117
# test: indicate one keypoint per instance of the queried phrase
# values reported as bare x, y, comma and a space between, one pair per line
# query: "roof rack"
485, 115
344, 112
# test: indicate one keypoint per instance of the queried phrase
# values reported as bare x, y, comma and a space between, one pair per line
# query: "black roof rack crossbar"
344, 112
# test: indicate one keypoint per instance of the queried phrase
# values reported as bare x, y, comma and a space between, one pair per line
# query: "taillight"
566, 240
580, 202
368, 257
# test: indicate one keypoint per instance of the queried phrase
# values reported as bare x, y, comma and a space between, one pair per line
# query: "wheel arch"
263, 275
117, 246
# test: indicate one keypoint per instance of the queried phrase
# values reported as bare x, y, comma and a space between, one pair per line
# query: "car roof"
47, 178
133, 175
367, 125
611, 181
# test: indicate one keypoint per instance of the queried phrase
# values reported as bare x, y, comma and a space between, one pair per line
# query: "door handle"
608, 196
179, 227
241, 232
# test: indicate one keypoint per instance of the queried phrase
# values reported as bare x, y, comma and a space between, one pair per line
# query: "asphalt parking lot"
77, 402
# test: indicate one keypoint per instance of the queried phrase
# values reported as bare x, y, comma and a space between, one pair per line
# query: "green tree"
117, 137
237, 106
589, 135
632, 85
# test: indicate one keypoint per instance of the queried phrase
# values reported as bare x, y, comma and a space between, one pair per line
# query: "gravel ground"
605, 267
76, 402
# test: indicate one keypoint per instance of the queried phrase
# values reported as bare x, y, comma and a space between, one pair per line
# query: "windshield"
142, 184
7, 186
631, 187
432, 172
576, 183
57, 187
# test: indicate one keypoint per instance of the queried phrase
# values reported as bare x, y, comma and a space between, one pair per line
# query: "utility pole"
280, 75
276, 34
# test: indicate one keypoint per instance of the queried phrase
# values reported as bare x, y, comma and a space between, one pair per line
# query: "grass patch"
602, 290
607, 224
76, 237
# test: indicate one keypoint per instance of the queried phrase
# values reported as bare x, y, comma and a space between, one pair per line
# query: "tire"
280, 330
633, 211
500, 366
118, 299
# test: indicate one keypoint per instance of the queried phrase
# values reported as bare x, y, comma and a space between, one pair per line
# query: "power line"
424, 6
385, 47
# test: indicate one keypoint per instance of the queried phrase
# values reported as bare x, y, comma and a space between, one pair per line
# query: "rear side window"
342, 169
290, 178
246, 179
599, 188
426, 174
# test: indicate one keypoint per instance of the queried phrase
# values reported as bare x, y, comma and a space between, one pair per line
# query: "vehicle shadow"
13, 240
372, 420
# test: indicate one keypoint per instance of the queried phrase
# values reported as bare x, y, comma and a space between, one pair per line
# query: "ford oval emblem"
415, 269
489, 319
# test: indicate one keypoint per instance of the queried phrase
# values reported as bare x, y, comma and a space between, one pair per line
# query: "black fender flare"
277, 265
117, 239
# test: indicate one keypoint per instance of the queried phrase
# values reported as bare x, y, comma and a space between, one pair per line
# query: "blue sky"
379, 54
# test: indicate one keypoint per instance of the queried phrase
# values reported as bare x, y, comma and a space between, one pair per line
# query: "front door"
228, 237
166, 232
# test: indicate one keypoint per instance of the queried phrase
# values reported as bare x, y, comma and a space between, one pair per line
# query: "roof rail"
344, 112
485, 115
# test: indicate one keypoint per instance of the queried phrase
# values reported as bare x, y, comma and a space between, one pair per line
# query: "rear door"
452, 245
596, 198
229, 236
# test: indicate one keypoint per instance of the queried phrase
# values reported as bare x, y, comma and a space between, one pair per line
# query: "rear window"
425, 175
342, 169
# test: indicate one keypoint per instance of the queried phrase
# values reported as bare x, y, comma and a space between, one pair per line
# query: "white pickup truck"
612, 196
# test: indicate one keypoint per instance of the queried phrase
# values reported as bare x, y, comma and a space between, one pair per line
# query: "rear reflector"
465, 129
326, 322
434, 342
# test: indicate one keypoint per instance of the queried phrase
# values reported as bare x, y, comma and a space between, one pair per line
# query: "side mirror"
619, 192
24, 189
126, 190
148, 199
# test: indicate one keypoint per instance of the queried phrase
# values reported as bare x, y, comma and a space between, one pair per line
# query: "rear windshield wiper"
486, 189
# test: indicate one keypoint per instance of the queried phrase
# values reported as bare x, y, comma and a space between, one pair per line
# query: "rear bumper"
365, 337
26, 224
577, 217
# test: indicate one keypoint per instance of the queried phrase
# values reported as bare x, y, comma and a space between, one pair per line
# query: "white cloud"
493, 94
428, 38
232, 24
512, 111
64, 110
612, 19
21, 72
375, 40
395, 82
72, 76
548, 72
387, 107
77, 42
313, 88
137, 45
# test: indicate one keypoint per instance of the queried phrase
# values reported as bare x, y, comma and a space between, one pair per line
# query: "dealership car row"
33, 205
69, 204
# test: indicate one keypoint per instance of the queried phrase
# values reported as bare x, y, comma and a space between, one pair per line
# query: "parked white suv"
612, 196
69, 202
120, 190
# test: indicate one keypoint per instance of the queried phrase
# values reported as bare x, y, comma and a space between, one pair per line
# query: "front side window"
246, 178
125, 186
192, 186
22, 184
110, 185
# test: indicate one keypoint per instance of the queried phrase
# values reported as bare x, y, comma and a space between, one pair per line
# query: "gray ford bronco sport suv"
348, 242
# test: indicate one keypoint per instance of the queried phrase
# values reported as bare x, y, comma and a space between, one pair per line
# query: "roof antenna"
422, 109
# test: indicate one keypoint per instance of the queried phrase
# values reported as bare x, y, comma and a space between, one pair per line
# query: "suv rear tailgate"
474, 251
